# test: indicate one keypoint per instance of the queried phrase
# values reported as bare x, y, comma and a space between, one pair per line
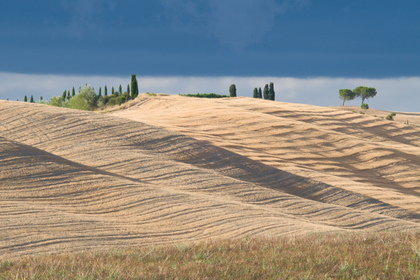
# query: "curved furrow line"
268, 230
75, 243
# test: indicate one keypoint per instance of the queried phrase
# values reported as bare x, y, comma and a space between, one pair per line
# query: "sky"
309, 48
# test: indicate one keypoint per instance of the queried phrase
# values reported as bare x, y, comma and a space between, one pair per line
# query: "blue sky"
369, 39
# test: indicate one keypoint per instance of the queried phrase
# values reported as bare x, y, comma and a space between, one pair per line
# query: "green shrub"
42, 101
85, 99
121, 99
55, 101
391, 116
205, 95
364, 106
103, 100
112, 101
58, 102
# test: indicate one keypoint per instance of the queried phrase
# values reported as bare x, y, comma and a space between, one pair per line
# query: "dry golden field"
173, 170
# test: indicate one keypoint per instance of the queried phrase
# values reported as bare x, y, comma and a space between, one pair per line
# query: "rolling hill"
172, 169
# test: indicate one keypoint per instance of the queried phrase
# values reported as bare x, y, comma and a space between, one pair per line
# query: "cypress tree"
25, 99
271, 92
134, 86
232, 90
73, 93
100, 92
112, 91
259, 93
105, 91
63, 97
255, 93
128, 92
32, 99
266, 91
120, 89
68, 94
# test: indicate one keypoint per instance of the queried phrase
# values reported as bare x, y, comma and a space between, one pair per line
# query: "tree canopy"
134, 87
255, 95
232, 90
365, 92
266, 93
271, 93
85, 99
346, 95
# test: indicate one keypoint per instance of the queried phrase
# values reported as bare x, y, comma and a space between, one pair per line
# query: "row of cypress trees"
119, 97
133, 94
269, 93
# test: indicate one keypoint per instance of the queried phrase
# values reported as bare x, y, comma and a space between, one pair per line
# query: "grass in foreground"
317, 256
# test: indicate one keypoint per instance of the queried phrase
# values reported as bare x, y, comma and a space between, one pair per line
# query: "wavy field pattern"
360, 153
174, 169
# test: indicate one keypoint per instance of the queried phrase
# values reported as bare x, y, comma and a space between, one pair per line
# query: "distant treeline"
269, 93
205, 95
87, 99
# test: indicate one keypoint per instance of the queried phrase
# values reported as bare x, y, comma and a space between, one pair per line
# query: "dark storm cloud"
87, 17
300, 38
235, 24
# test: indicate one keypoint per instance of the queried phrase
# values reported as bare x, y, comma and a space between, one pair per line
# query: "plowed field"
172, 169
